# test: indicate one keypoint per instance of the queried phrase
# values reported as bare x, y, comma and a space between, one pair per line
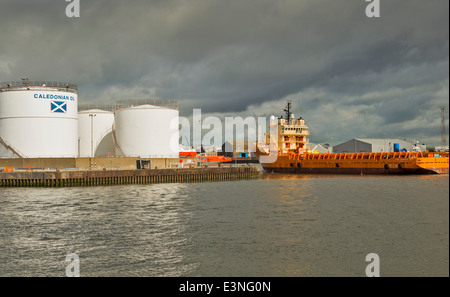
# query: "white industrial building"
320, 148
360, 145
38, 119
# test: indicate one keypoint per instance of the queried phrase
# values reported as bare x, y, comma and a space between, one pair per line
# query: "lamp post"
92, 115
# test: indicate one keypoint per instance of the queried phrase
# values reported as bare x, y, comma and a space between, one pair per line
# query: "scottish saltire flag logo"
58, 106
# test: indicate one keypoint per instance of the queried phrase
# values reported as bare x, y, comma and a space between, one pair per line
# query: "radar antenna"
288, 110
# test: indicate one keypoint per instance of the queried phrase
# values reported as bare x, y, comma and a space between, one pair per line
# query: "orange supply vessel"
289, 154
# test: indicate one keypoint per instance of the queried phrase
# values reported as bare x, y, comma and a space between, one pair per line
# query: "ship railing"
367, 156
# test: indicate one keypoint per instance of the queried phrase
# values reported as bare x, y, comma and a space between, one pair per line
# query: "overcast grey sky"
349, 75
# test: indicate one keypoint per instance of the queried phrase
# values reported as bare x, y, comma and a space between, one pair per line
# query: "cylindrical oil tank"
147, 131
94, 126
39, 119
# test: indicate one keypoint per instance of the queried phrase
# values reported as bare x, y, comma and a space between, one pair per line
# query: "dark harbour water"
278, 225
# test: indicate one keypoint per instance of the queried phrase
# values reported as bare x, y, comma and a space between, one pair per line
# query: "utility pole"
443, 134
92, 134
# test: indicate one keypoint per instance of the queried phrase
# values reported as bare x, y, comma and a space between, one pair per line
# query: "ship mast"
288, 110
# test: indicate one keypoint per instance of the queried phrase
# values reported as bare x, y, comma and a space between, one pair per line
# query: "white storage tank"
39, 119
94, 133
147, 131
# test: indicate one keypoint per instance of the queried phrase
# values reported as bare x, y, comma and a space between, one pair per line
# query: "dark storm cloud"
235, 56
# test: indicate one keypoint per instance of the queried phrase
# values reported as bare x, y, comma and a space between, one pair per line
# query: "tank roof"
94, 111
147, 103
25, 85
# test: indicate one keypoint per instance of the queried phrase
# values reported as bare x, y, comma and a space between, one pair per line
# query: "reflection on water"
111, 229
278, 225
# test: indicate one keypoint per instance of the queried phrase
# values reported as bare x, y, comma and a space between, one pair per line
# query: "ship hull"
362, 163
358, 171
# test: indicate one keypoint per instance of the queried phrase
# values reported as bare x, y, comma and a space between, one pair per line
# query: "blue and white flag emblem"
58, 106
